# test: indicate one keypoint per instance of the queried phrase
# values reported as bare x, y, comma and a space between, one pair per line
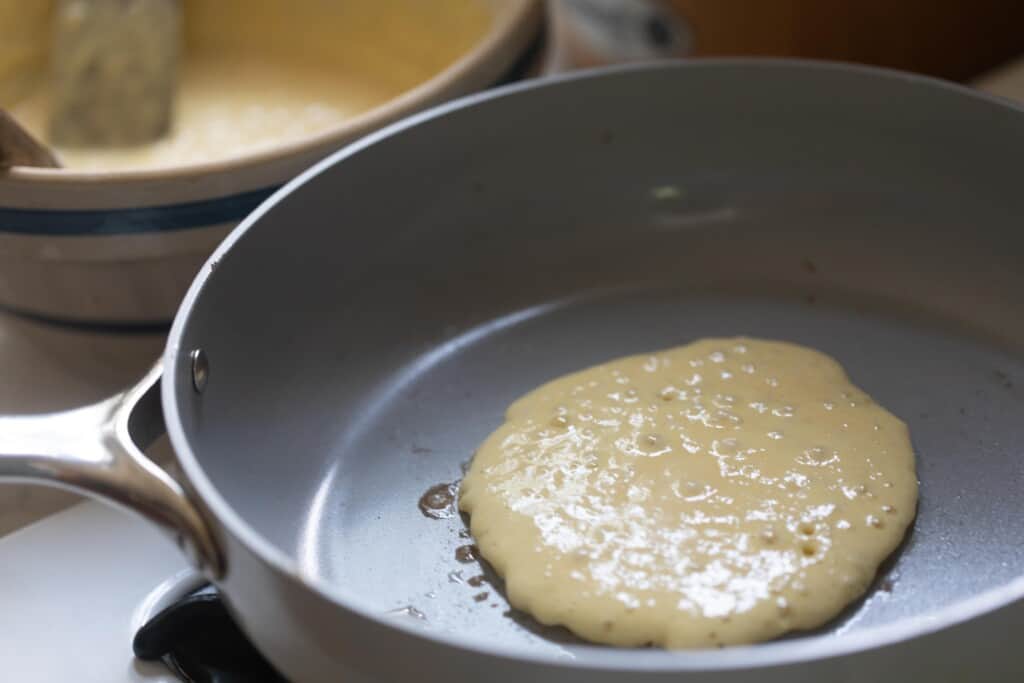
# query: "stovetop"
76, 587
86, 588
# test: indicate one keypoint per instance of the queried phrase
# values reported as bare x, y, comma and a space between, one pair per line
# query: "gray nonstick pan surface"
364, 330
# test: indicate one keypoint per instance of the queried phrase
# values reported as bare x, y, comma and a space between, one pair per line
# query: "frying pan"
353, 341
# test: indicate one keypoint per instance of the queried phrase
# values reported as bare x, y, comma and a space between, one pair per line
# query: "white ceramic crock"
121, 248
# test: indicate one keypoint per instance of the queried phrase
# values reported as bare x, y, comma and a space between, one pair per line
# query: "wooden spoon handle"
18, 148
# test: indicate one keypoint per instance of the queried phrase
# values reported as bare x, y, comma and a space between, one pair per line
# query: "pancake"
719, 493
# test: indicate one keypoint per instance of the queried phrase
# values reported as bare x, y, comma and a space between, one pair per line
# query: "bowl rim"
510, 21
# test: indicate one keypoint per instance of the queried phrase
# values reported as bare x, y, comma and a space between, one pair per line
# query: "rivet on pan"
200, 370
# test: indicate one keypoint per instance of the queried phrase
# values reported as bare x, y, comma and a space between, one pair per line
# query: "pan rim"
772, 653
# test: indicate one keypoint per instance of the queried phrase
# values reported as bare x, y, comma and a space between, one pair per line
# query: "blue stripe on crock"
187, 215
132, 221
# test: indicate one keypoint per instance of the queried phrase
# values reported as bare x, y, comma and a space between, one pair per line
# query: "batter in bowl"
225, 108
257, 75
718, 493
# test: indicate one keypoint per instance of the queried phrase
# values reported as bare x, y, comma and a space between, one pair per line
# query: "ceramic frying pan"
354, 340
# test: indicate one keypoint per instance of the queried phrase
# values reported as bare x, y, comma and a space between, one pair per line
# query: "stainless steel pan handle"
97, 450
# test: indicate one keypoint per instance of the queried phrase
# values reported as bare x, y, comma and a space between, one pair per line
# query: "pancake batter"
257, 75
718, 493
226, 107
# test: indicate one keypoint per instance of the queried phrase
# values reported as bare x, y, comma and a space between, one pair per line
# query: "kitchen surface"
79, 579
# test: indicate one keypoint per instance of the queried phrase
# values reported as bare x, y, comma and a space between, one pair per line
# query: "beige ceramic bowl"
121, 246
